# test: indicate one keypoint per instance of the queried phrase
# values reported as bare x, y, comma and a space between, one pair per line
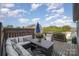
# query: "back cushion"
20, 39
10, 51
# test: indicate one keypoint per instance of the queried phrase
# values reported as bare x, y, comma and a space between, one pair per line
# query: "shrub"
39, 36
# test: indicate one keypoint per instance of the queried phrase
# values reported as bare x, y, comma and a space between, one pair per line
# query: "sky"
47, 14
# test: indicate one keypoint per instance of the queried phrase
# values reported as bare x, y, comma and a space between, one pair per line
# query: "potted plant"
39, 36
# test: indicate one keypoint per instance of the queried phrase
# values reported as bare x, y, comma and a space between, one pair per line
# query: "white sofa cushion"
27, 38
24, 51
10, 51
8, 42
24, 43
17, 49
20, 39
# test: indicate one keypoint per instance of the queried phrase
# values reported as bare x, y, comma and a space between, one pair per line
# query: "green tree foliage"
66, 28
57, 29
9, 26
18, 27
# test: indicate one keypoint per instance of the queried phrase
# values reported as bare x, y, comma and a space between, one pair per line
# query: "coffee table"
45, 46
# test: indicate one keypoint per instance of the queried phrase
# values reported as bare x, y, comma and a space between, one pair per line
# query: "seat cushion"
23, 50
10, 51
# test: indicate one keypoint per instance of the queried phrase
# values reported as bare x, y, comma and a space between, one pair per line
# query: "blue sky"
24, 14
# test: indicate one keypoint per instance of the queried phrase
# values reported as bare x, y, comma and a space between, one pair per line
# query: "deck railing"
16, 32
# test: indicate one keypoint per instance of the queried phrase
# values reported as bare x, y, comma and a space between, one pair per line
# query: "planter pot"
39, 40
39, 37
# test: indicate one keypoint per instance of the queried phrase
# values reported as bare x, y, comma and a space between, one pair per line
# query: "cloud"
54, 6
52, 17
60, 22
16, 12
45, 25
7, 5
55, 11
49, 18
2, 18
59, 11
13, 13
23, 20
20, 10
35, 20
4, 10
34, 6
63, 21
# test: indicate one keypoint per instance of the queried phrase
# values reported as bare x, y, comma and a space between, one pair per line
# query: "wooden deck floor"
61, 49
66, 49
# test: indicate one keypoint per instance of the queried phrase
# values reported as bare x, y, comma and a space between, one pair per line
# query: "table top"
44, 43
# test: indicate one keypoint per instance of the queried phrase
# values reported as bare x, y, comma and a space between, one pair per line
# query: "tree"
9, 26
66, 28
57, 29
18, 27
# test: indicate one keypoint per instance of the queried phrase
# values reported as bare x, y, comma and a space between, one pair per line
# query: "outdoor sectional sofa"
14, 46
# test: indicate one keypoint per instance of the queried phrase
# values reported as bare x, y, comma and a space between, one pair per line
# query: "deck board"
63, 48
